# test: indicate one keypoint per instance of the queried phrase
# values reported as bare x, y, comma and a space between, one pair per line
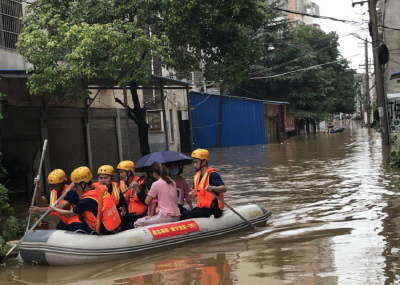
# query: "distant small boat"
338, 130
58, 247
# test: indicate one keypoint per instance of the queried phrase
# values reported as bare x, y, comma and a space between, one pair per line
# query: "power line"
303, 69
315, 16
329, 18
286, 63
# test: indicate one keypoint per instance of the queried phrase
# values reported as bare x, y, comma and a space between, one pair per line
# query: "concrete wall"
106, 98
392, 40
10, 59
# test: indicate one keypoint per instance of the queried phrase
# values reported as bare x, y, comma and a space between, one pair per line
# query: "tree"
71, 42
304, 67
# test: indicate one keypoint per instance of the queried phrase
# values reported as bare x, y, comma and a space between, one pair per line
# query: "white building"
310, 7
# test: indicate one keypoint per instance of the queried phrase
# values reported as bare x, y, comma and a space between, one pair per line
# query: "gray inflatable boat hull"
57, 247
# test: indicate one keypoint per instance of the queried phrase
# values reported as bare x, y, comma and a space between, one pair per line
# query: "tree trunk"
140, 115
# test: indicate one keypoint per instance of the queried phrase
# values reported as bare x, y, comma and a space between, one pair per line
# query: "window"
10, 23
298, 5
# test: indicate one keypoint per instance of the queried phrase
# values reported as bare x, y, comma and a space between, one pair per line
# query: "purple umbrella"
162, 157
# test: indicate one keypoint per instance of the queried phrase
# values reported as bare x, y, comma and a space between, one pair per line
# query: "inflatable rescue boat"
58, 247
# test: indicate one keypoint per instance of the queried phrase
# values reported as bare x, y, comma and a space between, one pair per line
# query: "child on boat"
146, 186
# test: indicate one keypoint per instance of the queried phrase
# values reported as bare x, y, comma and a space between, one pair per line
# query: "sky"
349, 45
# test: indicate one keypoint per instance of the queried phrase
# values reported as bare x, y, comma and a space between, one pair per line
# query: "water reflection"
207, 271
335, 220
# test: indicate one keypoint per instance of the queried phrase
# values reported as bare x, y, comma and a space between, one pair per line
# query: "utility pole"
368, 107
378, 75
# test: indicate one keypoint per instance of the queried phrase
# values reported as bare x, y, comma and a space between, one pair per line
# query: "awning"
103, 83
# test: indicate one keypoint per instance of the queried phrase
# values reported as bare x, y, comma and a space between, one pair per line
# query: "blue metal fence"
242, 121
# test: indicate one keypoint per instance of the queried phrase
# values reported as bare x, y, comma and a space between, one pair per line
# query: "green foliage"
9, 225
72, 42
394, 159
285, 73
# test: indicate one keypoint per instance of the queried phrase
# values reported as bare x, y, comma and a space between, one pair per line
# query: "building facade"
306, 7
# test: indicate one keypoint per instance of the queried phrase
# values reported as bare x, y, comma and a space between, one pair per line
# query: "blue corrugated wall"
242, 121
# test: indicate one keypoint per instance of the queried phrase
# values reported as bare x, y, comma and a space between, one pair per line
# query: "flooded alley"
335, 220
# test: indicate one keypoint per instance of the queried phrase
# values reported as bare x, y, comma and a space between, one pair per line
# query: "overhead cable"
315, 16
328, 18
303, 69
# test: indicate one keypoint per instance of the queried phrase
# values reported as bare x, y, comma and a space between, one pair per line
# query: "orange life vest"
53, 199
106, 211
115, 193
134, 204
205, 198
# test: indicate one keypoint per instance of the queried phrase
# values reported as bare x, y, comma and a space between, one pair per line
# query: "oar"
38, 221
37, 184
130, 187
233, 210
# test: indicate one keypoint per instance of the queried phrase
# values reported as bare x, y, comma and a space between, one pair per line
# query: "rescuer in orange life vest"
96, 207
205, 181
134, 197
57, 179
105, 175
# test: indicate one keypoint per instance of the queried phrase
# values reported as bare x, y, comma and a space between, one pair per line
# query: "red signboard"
174, 229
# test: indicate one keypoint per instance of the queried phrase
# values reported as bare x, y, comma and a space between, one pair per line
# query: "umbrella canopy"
162, 157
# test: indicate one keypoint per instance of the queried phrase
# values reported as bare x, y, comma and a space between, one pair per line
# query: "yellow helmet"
126, 165
106, 169
81, 174
57, 176
201, 154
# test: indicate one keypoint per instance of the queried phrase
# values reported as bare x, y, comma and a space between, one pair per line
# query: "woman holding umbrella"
174, 160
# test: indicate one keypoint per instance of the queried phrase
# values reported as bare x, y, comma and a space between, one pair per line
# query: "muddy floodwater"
335, 220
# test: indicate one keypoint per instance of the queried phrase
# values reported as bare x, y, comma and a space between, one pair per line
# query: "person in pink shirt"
164, 190
182, 187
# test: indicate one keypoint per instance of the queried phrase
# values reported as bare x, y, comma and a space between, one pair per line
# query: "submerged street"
335, 220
